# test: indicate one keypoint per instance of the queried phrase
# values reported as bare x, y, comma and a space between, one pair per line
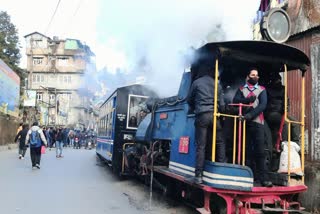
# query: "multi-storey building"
56, 70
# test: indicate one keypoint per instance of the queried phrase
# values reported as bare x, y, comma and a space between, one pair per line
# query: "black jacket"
59, 136
201, 95
22, 137
275, 99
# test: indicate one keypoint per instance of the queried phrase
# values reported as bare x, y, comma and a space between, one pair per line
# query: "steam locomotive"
161, 145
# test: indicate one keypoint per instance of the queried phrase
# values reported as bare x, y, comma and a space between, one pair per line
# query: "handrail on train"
123, 148
301, 123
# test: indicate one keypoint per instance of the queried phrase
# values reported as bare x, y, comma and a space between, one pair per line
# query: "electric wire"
52, 17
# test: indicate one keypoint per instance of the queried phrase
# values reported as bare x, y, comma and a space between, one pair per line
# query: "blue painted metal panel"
105, 147
228, 176
177, 124
142, 131
219, 175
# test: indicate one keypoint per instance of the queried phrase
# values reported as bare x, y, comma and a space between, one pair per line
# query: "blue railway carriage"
118, 121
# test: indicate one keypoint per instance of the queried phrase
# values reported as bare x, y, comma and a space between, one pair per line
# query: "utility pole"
56, 106
31, 64
29, 115
48, 108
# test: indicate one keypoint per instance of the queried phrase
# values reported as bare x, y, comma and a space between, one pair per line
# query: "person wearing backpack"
35, 138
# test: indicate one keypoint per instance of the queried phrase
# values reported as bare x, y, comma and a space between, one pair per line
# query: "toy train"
161, 144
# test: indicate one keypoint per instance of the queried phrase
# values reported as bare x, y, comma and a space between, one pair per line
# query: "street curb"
8, 147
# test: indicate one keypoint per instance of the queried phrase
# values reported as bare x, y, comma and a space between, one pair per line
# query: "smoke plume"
150, 38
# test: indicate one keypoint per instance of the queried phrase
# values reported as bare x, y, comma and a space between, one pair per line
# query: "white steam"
151, 37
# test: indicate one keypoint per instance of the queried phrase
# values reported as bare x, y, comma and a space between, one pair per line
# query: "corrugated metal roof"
316, 27
305, 17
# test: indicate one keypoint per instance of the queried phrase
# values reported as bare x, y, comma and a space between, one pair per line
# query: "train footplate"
280, 210
283, 207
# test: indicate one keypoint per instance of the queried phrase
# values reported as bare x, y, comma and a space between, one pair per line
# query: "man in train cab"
275, 106
255, 94
200, 100
142, 115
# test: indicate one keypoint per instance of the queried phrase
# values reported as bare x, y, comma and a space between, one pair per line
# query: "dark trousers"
35, 154
274, 120
203, 140
22, 149
255, 146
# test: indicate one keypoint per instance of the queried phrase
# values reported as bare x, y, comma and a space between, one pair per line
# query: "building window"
37, 61
65, 79
37, 43
37, 78
63, 61
39, 96
52, 97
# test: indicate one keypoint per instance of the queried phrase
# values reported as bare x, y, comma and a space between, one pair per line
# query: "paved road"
74, 184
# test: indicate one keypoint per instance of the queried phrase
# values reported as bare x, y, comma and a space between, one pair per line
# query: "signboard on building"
30, 98
10, 90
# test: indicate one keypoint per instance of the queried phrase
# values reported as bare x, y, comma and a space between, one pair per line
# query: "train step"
280, 210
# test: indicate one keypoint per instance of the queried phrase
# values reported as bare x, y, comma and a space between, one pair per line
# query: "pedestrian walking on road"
71, 137
48, 137
22, 134
53, 134
20, 128
59, 143
36, 139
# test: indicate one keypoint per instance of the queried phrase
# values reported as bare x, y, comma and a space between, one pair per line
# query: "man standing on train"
200, 100
255, 94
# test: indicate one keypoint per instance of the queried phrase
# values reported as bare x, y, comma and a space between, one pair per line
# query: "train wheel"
218, 205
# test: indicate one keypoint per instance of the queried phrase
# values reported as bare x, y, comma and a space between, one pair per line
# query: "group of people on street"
201, 102
35, 138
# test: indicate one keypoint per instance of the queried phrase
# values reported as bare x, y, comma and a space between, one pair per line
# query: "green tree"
9, 48
9, 43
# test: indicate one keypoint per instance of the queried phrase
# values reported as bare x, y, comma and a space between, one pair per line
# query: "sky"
140, 39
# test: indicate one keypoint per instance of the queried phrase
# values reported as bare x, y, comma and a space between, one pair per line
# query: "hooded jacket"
38, 129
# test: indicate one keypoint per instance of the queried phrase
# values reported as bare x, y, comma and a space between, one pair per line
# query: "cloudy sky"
137, 35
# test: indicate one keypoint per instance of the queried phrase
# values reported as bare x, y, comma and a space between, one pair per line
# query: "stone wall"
8, 130
311, 199
315, 107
